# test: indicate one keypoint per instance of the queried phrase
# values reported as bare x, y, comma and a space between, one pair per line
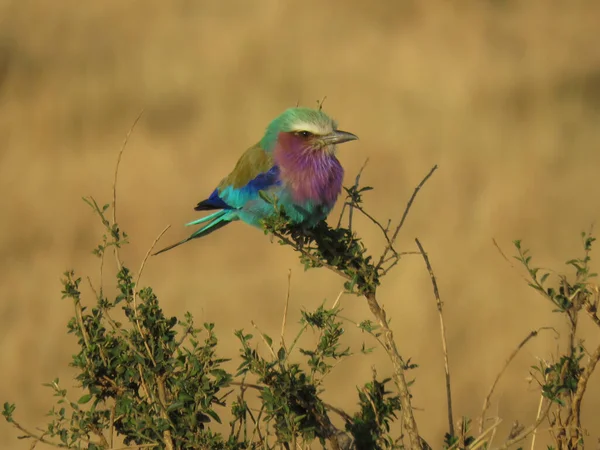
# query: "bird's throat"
312, 176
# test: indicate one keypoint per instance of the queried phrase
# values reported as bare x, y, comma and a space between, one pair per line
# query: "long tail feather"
210, 217
221, 218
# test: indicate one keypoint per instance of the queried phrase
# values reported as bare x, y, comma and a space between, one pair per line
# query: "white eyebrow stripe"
311, 127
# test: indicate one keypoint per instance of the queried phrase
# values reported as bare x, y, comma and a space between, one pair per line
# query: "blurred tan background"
503, 95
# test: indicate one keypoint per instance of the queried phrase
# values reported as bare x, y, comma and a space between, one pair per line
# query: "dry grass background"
503, 95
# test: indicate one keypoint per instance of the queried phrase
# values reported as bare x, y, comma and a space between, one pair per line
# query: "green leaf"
281, 354
268, 339
9, 409
214, 415
84, 399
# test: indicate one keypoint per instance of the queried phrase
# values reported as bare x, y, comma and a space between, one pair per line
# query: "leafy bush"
152, 381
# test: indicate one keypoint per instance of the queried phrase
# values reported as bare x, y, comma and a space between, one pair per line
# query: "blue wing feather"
235, 198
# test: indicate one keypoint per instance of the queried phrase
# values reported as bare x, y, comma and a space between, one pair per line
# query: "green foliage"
463, 438
560, 379
371, 425
157, 382
153, 381
339, 248
563, 382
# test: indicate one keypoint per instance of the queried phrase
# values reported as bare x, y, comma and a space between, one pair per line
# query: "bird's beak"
338, 137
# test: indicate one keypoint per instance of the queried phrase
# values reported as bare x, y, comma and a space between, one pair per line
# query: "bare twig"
481, 438
408, 418
404, 215
355, 185
297, 338
285, 309
119, 265
509, 261
135, 447
486, 401
340, 412
320, 103
262, 335
439, 303
338, 298
384, 230
537, 416
37, 438
139, 275
526, 432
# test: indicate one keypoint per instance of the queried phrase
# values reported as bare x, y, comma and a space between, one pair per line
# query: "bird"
294, 162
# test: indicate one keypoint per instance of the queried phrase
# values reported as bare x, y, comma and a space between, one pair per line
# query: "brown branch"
383, 229
137, 281
135, 447
116, 178
310, 256
355, 185
404, 216
481, 439
285, 310
408, 418
111, 432
326, 428
508, 260
527, 431
574, 416
162, 396
537, 416
34, 436
592, 307
264, 339
135, 289
486, 401
330, 407
439, 303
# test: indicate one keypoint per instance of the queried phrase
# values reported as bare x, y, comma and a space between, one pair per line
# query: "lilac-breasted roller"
295, 162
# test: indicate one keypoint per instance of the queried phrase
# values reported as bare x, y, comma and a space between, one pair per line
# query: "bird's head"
305, 129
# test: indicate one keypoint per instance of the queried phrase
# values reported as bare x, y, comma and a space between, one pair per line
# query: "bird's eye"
304, 134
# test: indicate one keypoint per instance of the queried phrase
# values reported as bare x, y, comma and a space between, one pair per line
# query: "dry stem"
537, 416
439, 303
404, 216
486, 401
574, 419
408, 417
285, 309
119, 265
527, 431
